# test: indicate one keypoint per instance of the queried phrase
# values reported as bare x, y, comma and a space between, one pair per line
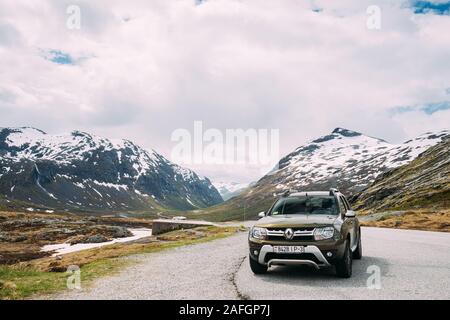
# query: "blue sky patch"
425, 7
435, 107
59, 57
428, 108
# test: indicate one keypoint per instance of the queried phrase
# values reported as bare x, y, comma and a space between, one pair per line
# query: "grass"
427, 220
16, 282
38, 277
19, 282
430, 198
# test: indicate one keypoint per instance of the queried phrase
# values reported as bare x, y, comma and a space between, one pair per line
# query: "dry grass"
22, 235
428, 220
169, 240
47, 275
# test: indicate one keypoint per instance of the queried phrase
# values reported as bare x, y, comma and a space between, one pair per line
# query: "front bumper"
312, 257
319, 254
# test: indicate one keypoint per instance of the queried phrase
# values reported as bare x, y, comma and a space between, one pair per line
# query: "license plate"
288, 249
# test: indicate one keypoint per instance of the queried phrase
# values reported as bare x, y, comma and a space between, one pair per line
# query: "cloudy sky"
141, 69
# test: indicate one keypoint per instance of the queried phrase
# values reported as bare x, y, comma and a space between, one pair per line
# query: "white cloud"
152, 67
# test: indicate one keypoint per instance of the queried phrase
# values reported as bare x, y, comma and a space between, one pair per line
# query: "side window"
342, 207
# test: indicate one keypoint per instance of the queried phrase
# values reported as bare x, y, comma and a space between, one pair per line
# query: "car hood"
296, 220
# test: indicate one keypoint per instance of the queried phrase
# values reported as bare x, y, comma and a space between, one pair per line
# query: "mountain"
424, 182
345, 159
83, 172
229, 190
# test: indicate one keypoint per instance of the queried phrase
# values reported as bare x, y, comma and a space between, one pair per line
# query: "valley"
86, 174
61, 193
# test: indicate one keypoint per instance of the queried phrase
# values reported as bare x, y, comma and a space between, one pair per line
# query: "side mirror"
350, 214
262, 214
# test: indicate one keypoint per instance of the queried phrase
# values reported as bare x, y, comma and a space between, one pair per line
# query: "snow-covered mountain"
345, 159
229, 190
83, 172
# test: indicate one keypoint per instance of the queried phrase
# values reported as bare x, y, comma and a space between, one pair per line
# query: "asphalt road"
411, 265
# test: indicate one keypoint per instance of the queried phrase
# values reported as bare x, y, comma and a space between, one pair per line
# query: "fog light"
329, 254
255, 252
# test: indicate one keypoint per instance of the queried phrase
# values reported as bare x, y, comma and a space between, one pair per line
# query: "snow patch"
65, 248
111, 185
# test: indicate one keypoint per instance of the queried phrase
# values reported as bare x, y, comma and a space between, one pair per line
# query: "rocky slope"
425, 182
345, 159
22, 235
83, 172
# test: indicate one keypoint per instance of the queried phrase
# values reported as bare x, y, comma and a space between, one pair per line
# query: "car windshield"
306, 205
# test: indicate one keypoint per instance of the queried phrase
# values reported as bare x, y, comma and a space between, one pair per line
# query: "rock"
4, 237
120, 232
19, 239
56, 266
98, 238
43, 236
75, 240
68, 231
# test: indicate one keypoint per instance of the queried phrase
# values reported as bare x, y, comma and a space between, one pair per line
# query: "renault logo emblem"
289, 234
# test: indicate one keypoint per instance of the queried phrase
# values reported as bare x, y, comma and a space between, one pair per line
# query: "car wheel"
344, 265
358, 252
256, 267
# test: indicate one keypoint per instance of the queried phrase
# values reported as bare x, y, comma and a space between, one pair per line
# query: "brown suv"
318, 229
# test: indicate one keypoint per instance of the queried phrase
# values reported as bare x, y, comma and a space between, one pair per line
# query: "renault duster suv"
317, 229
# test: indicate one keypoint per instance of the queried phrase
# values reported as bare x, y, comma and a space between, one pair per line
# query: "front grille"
294, 229
300, 234
295, 239
287, 256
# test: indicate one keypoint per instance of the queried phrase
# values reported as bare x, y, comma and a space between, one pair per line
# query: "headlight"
323, 233
258, 233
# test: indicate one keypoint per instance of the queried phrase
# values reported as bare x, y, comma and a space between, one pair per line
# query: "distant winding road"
412, 265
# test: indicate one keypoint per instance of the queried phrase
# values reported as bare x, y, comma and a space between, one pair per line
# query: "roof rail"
333, 191
285, 193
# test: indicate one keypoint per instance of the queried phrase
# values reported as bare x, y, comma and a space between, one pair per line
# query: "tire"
256, 267
359, 251
344, 265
